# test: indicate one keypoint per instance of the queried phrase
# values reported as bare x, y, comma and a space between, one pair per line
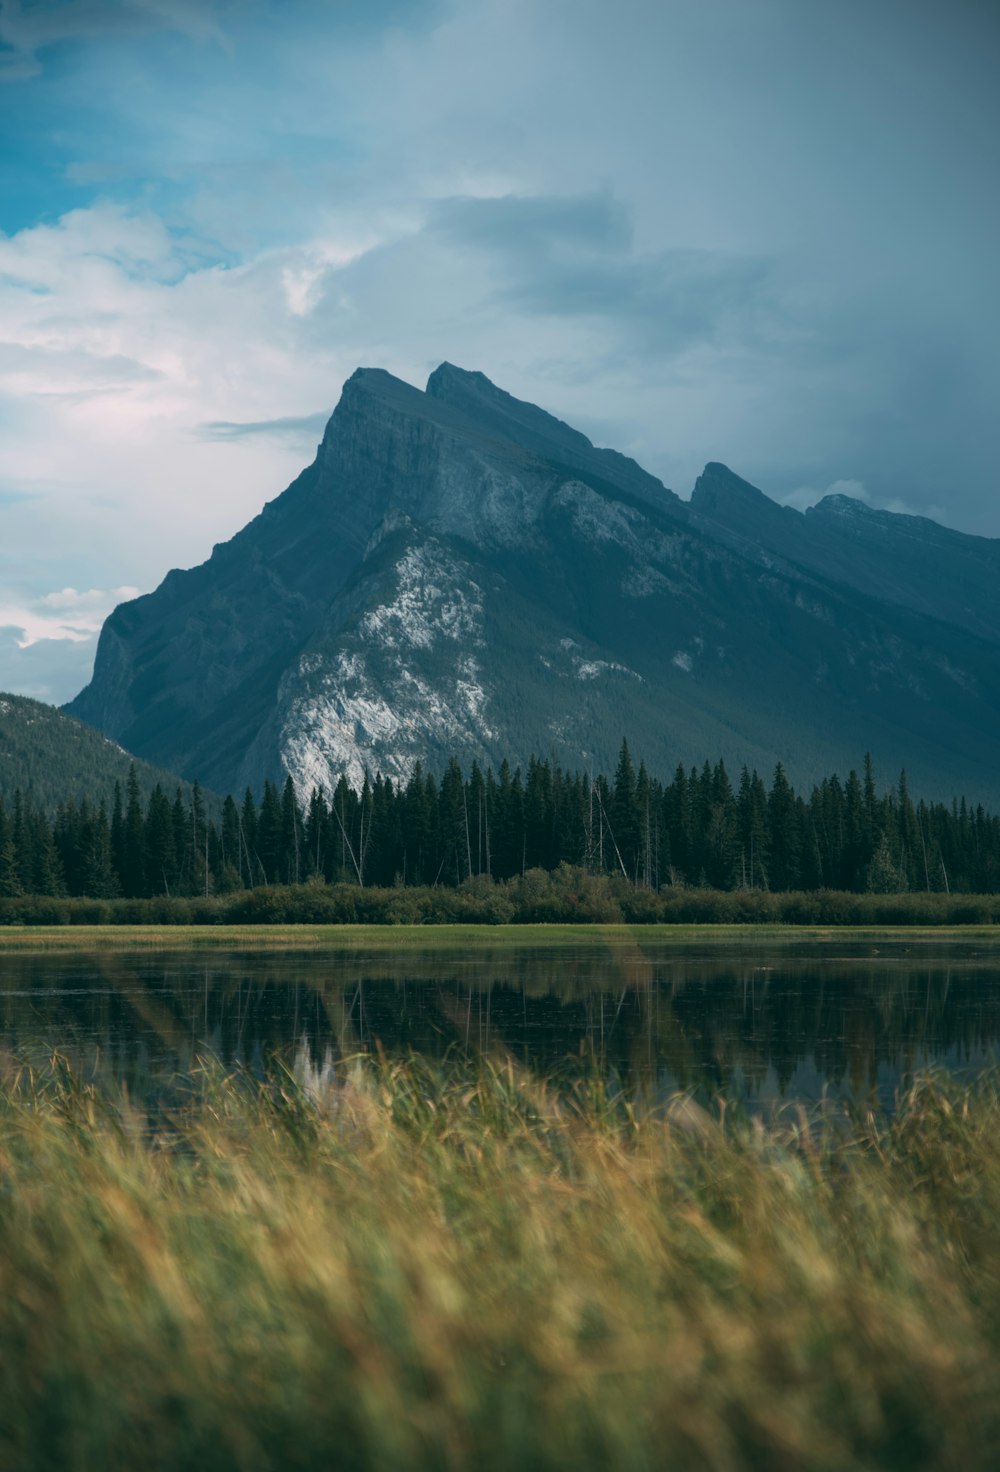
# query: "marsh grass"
407, 1265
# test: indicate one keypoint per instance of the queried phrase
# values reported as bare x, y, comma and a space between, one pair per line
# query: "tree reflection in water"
751, 1021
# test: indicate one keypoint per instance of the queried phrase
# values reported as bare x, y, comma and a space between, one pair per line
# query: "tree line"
698, 830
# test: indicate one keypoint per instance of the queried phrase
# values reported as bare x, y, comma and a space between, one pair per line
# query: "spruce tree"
160, 845
785, 833
133, 874
624, 816
100, 878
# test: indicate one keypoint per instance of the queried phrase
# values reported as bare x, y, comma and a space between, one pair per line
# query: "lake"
761, 1020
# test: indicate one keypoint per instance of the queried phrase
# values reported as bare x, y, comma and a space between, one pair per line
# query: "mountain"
460, 572
52, 758
907, 560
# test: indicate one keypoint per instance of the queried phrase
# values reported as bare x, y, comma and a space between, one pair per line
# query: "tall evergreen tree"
133, 873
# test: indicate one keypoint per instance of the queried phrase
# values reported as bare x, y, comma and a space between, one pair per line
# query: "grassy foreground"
469, 1268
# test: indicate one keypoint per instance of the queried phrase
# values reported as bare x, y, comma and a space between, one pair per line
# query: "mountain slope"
460, 572
53, 758
904, 560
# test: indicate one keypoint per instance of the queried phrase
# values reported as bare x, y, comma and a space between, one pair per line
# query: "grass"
461, 937
446, 1268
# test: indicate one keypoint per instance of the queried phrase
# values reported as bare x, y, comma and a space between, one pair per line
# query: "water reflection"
762, 1024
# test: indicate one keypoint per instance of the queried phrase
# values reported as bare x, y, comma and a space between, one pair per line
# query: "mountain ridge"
460, 572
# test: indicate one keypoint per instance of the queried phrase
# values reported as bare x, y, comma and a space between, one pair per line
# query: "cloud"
53, 670
37, 369
47, 643
529, 226
63, 615
698, 232
297, 428
26, 30
557, 256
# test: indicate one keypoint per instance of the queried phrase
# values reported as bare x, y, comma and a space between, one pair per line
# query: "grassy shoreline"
564, 896
457, 936
440, 1268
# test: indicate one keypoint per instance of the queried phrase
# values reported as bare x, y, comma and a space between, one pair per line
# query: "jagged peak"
447, 374
837, 504
374, 391
718, 486
540, 433
517, 419
381, 384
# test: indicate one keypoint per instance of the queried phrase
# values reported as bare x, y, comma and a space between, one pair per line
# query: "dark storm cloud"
559, 257
533, 226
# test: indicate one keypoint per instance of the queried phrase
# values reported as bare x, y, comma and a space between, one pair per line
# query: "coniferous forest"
633, 835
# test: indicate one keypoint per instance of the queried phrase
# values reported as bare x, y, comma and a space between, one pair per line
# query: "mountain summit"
460, 572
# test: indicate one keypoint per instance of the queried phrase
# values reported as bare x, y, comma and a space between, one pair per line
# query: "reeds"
407, 1266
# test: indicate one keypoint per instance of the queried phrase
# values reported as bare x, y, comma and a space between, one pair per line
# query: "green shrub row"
566, 895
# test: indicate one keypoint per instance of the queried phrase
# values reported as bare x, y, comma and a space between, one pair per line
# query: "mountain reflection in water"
751, 1021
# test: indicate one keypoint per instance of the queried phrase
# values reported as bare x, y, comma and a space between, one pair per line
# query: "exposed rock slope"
461, 572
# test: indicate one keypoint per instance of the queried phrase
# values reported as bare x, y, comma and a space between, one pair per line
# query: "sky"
756, 231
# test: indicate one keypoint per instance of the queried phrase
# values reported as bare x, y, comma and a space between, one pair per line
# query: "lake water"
760, 1021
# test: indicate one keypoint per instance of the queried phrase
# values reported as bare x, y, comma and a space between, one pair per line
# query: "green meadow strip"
461, 937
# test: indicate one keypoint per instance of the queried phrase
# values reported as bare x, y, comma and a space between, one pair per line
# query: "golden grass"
466, 1267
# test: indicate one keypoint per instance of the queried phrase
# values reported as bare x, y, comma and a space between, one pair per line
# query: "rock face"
460, 573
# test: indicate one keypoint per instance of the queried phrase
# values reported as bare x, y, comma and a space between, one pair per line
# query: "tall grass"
405, 1266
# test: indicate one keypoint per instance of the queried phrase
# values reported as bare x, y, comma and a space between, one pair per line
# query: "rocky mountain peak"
515, 420
541, 434
842, 506
739, 514
460, 572
718, 488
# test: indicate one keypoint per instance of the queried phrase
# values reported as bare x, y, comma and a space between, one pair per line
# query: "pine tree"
417, 826
159, 844
47, 874
289, 863
133, 874
451, 821
785, 833
10, 874
100, 878
269, 833
248, 839
118, 834
753, 831
677, 820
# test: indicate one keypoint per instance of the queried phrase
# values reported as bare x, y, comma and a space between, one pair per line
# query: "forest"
698, 830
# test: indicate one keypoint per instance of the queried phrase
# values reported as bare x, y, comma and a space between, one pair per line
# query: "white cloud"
66, 614
47, 642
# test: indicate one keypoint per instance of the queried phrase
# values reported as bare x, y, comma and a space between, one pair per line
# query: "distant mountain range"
459, 572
